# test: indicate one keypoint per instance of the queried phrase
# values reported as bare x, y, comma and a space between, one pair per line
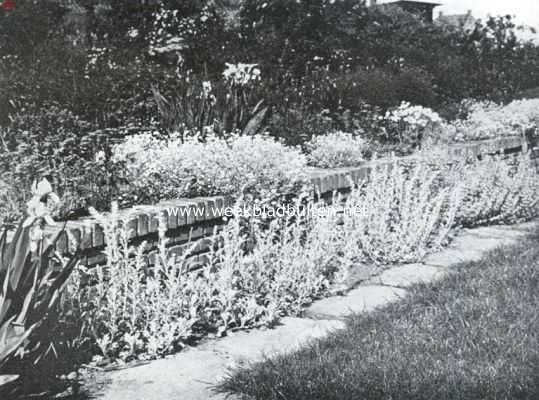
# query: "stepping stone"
497, 232
188, 375
362, 299
472, 245
289, 335
451, 257
404, 276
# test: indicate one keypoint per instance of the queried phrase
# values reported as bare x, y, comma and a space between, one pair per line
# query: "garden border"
183, 232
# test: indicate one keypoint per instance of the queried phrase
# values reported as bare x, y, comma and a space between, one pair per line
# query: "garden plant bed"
187, 187
193, 373
206, 212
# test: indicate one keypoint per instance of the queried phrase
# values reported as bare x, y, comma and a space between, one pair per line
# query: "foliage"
192, 35
9, 204
488, 120
335, 150
227, 105
411, 124
400, 214
169, 168
259, 269
476, 327
32, 278
499, 191
133, 310
54, 143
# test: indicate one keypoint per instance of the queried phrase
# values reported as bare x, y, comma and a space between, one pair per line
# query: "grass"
474, 335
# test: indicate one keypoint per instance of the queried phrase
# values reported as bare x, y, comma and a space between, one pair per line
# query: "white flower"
42, 203
100, 156
133, 33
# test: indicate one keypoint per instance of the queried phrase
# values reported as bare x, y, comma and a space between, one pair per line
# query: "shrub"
296, 125
169, 168
258, 271
337, 149
126, 310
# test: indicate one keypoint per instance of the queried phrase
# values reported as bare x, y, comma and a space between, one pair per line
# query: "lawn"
474, 335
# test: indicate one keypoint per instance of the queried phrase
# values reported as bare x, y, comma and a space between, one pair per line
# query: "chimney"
373, 2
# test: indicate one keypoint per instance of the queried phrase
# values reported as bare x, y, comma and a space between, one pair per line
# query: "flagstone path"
190, 374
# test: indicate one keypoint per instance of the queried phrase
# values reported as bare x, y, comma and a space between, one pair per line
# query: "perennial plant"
171, 168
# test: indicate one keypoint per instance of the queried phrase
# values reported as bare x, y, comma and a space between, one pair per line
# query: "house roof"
458, 20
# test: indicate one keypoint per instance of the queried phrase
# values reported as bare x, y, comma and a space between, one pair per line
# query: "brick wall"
184, 231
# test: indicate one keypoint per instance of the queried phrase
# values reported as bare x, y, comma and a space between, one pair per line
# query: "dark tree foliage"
317, 54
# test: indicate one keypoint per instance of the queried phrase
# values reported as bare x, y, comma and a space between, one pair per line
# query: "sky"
525, 11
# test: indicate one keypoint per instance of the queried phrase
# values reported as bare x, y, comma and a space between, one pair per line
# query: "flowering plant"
171, 168
488, 120
32, 277
336, 149
412, 123
241, 74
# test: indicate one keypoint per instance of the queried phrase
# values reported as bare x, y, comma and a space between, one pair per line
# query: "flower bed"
489, 120
148, 296
254, 274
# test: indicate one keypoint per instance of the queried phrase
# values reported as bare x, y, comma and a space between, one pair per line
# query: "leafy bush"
169, 168
124, 310
259, 270
337, 149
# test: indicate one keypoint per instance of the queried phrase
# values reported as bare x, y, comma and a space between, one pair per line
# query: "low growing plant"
171, 168
253, 275
399, 214
498, 190
488, 120
335, 150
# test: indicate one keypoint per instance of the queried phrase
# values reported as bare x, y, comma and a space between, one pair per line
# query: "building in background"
466, 22
423, 9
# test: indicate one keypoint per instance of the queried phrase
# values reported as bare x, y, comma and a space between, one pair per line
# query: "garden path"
190, 374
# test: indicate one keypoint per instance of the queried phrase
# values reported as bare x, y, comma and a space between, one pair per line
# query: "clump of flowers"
241, 74
411, 123
171, 168
39, 209
488, 120
413, 117
336, 149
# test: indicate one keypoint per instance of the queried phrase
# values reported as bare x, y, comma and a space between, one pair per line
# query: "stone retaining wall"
185, 230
